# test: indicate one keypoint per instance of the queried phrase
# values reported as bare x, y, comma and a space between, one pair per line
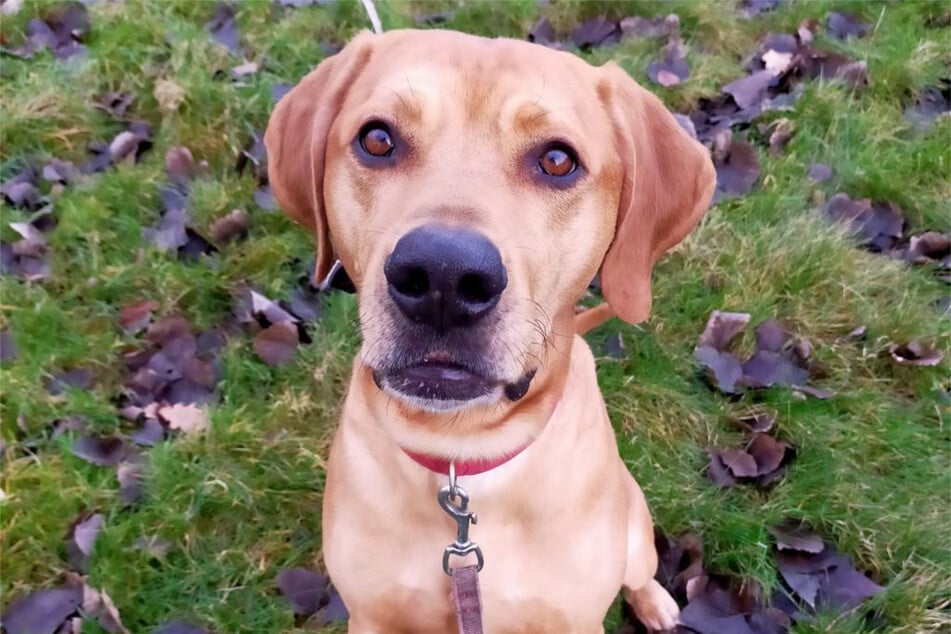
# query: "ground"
241, 501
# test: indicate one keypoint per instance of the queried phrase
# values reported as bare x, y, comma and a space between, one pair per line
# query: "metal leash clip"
463, 517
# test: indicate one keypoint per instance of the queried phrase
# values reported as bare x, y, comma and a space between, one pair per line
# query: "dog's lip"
437, 380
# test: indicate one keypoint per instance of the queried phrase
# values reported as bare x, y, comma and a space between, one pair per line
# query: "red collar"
440, 465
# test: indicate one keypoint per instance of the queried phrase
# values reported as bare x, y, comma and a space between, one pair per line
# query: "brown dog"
471, 188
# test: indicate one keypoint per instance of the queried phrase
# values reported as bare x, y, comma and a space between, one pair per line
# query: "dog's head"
472, 188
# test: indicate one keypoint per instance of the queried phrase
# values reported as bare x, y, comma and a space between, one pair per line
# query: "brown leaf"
760, 422
276, 344
179, 164
671, 69
101, 451
792, 535
304, 589
129, 475
724, 370
595, 33
819, 173
230, 227
737, 171
915, 353
750, 91
243, 70
81, 538
543, 33
98, 605
223, 29
42, 611
928, 247
767, 452
135, 317
722, 327
842, 25
189, 419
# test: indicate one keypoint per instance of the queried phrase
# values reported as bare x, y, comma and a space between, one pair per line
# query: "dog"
472, 188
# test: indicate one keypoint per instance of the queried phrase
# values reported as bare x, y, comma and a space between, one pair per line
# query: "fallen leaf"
782, 132
879, 225
819, 173
129, 475
276, 344
928, 247
189, 419
81, 539
821, 577
77, 378
305, 590
915, 353
57, 171
149, 433
101, 451
98, 605
724, 370
135, 317
842, 25
931, 103
750, 91
613, 347
115, 104
543, 33
760, 422
793, 535
279, 90
223, 29
243, 70
738, 171
777, 62
42, 611
21, 189
334, 612
595, 33
179, 164
230, 227
722, 327
671, 69
751, 8
264, 199
637, 26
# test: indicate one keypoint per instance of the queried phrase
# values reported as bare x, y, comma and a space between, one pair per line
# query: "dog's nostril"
415, 283
472, 289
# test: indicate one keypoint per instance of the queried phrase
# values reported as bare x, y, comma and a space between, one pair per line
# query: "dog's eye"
558, 160
376, 140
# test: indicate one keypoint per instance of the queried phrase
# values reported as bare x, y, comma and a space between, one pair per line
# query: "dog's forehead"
508, 80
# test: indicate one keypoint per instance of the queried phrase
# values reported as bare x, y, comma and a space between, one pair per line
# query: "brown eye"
376, 140
557, 161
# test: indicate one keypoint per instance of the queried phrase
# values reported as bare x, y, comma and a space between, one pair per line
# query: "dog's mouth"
440, 384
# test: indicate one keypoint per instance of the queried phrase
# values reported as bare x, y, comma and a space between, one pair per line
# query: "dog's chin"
446, 387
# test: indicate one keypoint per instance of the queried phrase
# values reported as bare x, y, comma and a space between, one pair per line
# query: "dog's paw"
654, 606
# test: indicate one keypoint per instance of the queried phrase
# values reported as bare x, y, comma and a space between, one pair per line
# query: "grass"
241, 502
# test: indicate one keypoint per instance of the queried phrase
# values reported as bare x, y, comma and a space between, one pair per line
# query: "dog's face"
471, 188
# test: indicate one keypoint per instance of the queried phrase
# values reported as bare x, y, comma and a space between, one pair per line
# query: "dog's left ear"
668, 183
296, 141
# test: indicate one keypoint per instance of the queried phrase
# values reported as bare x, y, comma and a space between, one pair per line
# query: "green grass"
243, 501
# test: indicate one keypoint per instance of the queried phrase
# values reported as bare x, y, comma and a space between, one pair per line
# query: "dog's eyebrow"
533, 118
408, 107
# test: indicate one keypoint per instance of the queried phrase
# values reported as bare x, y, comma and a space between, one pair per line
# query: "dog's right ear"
296, 141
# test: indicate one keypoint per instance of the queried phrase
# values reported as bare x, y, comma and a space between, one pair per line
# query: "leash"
464, 580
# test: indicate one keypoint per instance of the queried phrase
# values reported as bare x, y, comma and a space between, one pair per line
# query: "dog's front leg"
653, 605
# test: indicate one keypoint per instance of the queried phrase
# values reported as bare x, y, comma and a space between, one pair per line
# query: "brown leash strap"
468, 601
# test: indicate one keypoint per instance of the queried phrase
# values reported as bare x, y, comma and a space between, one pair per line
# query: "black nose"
445, 277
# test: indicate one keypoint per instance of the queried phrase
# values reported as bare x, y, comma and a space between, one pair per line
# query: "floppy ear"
296, 141
668, 183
